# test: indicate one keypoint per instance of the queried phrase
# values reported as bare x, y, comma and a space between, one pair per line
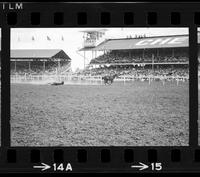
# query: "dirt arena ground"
134, 114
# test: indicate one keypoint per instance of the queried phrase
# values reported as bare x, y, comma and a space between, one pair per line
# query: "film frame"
100, 159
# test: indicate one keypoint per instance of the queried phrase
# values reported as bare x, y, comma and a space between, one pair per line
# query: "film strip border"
100, 159
100, 15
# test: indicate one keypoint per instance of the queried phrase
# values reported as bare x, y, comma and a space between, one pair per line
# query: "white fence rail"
91, 79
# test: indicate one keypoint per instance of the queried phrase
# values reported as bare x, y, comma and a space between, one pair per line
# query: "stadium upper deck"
144, 43
172, 41
158, 49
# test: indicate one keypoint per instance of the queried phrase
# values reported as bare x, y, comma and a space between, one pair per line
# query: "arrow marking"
44, 167
141, 166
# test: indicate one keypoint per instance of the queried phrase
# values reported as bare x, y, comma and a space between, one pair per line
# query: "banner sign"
145, 43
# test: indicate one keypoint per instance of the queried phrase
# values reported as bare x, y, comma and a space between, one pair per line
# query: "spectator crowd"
137, 72
143, 56
141, 68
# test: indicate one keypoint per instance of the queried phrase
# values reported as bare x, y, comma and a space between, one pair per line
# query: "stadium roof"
144, 43
86, 49
38, 53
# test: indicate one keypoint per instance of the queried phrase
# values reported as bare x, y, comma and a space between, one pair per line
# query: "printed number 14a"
60, 167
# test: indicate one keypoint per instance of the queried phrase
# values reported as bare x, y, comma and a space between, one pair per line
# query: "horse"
109, 79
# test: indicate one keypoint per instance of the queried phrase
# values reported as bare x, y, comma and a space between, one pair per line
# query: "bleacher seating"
137, 56
140, 71
37, 68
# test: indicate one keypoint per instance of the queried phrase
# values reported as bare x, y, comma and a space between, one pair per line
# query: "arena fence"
81, 79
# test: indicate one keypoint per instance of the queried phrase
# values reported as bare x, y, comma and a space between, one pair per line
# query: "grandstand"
43, 61
159, 55
137, 57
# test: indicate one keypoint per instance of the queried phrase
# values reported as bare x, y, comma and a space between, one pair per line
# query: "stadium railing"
98, 78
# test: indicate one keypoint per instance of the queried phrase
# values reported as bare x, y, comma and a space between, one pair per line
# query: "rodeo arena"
162, 58
132, 91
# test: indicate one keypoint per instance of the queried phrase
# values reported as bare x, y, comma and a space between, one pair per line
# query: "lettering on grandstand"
162, 41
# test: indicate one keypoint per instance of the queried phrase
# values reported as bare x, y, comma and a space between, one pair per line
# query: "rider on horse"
108, 79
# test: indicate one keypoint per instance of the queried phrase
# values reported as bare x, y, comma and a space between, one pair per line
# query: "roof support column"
44, 65
143, 54
153, 62
15, 66
29, 66
59, 64
84, 59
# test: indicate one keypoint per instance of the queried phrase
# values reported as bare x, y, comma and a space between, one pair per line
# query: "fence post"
163, 80
149, 80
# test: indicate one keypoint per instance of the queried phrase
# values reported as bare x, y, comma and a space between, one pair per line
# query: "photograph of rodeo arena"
99, 87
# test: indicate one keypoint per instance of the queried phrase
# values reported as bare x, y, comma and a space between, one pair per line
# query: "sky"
71, 39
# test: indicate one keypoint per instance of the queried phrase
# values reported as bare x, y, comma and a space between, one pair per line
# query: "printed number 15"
156, 166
